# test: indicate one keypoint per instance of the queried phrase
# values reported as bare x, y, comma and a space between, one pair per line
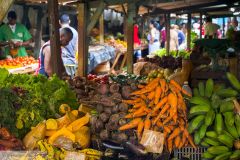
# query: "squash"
76, 125
75, 113
83, 137
51, 124
49, 133
64, 108
62, 132
66, 120
32, 137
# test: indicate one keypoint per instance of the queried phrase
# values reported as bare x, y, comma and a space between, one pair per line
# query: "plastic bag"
63, 142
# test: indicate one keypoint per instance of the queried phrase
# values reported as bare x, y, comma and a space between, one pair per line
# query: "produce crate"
189, 152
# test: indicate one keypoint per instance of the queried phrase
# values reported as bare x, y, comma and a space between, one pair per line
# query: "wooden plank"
130, 47
38, 36
201, 25
189, 32
101, 28
82, 39
57, 63
167, 28
4, 7
95, 18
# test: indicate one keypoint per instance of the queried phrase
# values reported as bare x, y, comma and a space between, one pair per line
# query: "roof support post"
95, 18
201, 25
82, 39
130, 47
4, 7
56, 59
189, 31
101, 28
38, 36
167, 30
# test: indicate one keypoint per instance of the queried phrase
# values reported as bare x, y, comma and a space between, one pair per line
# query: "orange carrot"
132, 101
131, 110
160, 104
159, 124
143, 96
175, 133
140, 86
175, 118
147, 123
140, 129
172, 100
147, 110
170, 145
130, 115
157, 94
190, 140
134, 123
177, 141
166, 129
151, 95
164, 109
138, 111
140, 104
167, 119
151, 104
166, 88
152, 84
176, 85
186, 93
163, 84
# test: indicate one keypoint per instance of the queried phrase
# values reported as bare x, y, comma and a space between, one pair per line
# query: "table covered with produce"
127, 116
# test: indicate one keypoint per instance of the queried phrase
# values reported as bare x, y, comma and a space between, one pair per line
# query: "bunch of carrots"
160, 106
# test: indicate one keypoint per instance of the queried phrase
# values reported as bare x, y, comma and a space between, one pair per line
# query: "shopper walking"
153, 37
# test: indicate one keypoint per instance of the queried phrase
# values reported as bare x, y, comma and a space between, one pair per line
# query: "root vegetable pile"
160, 106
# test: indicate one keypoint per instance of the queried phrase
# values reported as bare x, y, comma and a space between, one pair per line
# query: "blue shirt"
181, 37
69, 51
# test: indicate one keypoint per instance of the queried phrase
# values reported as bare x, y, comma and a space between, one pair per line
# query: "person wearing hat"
69, 52
14, 36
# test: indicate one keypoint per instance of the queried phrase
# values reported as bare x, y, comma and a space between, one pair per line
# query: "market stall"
151, 114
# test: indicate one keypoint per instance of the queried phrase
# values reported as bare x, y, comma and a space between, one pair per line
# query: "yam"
126, 91
104, 135
104, 117
114, 88
107, 110
103, 89
99, 125
122, 137
123, 107
114, 118
99, 108
115, 109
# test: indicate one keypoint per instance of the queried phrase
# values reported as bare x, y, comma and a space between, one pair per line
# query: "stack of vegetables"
58, 136
17, 62
27, 100
160, 106
215, 120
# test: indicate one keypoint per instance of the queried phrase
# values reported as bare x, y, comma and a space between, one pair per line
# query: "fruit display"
161, 73
27, 100
118, 44
214, 119
159, 106
166, 62
17, 62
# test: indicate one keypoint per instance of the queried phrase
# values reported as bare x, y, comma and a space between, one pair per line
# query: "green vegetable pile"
214, 119
181, 53
30, 99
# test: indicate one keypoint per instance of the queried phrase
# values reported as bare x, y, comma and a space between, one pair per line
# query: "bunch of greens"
181, 53
41, 101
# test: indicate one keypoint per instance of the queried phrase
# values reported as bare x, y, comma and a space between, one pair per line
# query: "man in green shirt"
14, 35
